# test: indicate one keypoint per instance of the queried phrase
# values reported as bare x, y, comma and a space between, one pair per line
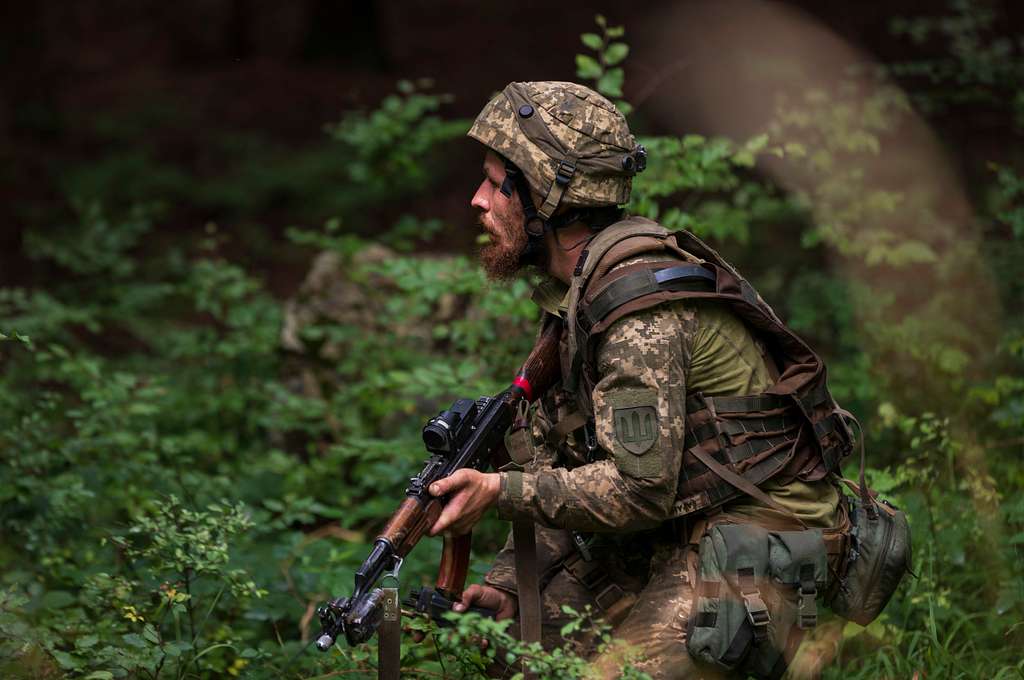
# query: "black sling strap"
625, 289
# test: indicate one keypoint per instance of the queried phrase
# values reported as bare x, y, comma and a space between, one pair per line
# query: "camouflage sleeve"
552, 545
639, 409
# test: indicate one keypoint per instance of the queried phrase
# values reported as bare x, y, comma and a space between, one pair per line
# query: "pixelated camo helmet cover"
572, 144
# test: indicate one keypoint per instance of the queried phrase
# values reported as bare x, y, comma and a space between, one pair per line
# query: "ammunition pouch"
520, 447
756, 592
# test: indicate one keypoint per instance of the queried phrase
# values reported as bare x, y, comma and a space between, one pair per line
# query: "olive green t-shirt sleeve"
639, 409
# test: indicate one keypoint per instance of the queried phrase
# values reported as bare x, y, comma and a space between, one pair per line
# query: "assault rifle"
470, 434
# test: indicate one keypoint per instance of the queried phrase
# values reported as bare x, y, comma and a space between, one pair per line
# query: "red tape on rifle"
522, 383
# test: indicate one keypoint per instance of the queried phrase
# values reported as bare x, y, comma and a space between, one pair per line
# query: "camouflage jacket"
646, 363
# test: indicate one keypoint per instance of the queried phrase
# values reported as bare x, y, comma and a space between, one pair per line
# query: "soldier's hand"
478, 595
487, 597
472, 493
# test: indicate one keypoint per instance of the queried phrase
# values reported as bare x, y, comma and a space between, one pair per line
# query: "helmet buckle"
641, 158
564, 173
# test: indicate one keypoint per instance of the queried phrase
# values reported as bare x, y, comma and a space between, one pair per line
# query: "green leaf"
601, 21
615, 31
592, 40
795, 149
66, 660
757, 143
743, 158
87, 641
615, 53
57, 599
134, 640
100, 675
587, 67
150, 634
610, 84
176, 649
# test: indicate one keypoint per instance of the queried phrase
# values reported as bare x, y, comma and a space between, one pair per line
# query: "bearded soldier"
684, 404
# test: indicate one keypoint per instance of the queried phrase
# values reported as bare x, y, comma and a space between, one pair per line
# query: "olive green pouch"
756, 590
878, 554
520, 447
878, 557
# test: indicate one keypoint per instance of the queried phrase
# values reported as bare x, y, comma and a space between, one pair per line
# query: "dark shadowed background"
217, 108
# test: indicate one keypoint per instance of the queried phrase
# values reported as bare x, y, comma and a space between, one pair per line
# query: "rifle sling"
742, 484
389, 638
524, 537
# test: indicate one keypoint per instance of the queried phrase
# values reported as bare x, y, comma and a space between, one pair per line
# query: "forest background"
236, 277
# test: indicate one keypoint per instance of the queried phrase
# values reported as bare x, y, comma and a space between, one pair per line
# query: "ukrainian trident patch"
636, 428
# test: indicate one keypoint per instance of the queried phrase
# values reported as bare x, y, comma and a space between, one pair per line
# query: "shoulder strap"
640, 282
590, 259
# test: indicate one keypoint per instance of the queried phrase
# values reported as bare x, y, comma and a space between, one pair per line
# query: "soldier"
684, 404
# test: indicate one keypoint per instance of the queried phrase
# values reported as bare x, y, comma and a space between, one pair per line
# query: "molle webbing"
755, 437
792, 430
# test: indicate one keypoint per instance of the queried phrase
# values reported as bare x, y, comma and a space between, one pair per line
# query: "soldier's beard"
501, 257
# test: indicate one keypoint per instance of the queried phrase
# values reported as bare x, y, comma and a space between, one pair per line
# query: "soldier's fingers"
448, 515
454, 481
469, 596
488, 598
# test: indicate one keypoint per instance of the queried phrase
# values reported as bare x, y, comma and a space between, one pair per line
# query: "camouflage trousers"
652, 633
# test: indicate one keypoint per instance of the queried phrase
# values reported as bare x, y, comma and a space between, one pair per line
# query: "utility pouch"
756, 592
520, 447
879, 555
519, 441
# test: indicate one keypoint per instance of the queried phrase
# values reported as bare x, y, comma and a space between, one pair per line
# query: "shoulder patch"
635, 419
636, 428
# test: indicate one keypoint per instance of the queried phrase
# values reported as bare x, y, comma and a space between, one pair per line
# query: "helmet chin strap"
533, 224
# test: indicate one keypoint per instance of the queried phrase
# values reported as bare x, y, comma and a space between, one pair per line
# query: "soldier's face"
502, 219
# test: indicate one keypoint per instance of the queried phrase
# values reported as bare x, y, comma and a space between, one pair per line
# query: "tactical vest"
794, 430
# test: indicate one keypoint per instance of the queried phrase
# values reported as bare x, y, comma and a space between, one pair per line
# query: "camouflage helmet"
573, 146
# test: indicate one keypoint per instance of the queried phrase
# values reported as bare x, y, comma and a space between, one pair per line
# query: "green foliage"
189, 467
384, 148
505, 649
604, 67
718, 201
975, 63
1008, 199
387, 154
